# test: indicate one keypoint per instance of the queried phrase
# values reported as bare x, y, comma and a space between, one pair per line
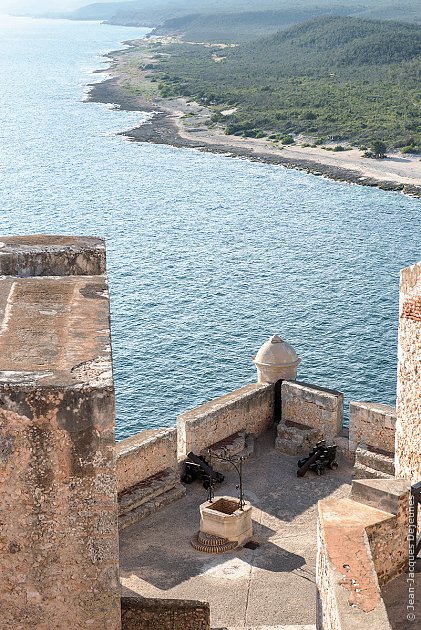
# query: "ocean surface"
207, 255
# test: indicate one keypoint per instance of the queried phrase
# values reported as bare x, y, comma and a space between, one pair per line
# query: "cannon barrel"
303, 469
204, 466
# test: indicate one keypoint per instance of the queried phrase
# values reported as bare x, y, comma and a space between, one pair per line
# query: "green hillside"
209, 22
342, 78
241, 26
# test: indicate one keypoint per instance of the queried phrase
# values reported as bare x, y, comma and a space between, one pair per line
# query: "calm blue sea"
207, 256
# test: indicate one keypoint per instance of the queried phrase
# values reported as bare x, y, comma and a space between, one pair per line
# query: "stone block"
312, 406
372, 464
139, 613
145, 454
250, 408
389, 495
372, 425
295, 439
48, 255
235, 446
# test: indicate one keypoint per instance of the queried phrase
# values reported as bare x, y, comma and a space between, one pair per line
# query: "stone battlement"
59, 538
60, 468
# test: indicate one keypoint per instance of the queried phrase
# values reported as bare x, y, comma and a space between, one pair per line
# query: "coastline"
179, 123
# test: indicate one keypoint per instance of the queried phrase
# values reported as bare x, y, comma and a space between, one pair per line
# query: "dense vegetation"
240, 27
340, 78
156, 12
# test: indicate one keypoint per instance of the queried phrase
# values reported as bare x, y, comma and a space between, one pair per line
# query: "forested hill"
242, 26
342, 78
210, 15
341, 43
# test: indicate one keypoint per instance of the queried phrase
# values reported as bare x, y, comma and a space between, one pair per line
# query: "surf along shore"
182, 123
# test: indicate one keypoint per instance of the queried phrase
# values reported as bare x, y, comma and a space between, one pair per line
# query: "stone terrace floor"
273, 585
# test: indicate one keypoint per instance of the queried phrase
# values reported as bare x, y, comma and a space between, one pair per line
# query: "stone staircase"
296, 439
148, 496
372, 463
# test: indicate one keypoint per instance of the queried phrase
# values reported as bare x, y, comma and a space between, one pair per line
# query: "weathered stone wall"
58, 534
408, 407
389, 545
362, 544
312, 406
372, 424
250, 408
164, 614
145, 454
46, 255
348, 592
327, 611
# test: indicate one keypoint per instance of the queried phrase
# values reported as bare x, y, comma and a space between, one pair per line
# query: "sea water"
207, 255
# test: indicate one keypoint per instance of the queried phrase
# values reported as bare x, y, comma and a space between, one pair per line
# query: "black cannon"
199, 468
320, 458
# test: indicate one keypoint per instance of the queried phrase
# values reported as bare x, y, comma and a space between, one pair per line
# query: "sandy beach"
181, 123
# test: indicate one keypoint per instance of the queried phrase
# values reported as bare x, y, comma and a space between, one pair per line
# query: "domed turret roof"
277, 353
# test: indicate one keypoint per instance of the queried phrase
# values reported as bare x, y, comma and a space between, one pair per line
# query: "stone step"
295, 439
365, 472
235, 446
383, 494
147, 490
147, 508
375, 460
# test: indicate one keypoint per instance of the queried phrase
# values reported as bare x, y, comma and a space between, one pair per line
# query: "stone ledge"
153, 505
346, 572
293, 440
362, 544
313, 406
146, 490
372, 424
164, 614
250, 408
51, 255
55, 331
235, 446
382, 494
144, 455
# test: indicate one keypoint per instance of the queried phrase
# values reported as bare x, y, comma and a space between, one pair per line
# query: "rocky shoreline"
162, 128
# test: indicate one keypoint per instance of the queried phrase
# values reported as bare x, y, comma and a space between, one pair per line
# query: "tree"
379, 149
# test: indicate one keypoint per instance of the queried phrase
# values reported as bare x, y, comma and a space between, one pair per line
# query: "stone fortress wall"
59, 559
60, 477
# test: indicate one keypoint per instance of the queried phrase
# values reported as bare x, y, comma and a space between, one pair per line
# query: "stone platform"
269, 586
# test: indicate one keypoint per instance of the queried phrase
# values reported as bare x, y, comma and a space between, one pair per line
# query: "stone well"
224, 518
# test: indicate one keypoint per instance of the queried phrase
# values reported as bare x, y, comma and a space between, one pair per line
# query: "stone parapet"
47, 255
144, 455
362, 544
59, 537
312, 406
250, 408
408, 406
164, 614
373, 425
